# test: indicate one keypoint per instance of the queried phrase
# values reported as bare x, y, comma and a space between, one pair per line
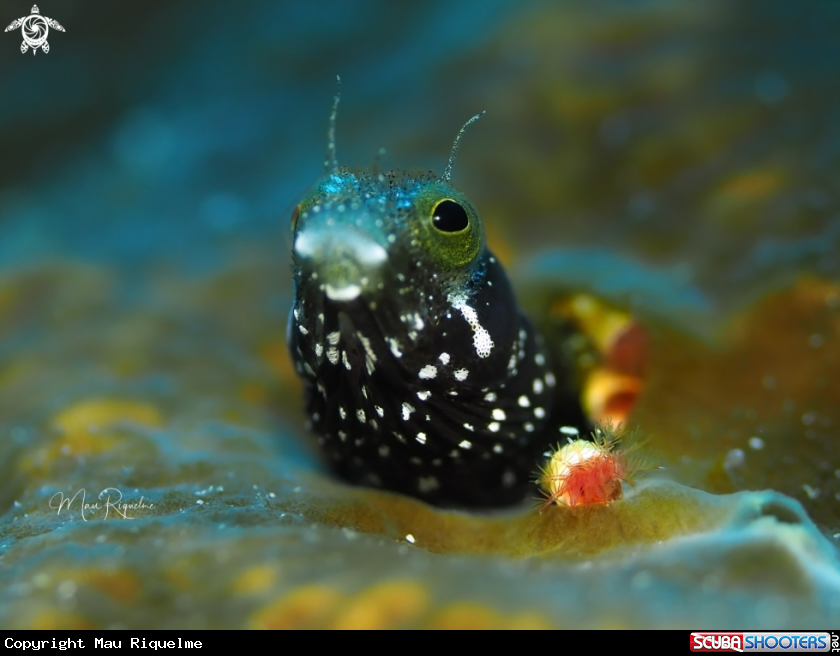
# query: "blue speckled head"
422, 375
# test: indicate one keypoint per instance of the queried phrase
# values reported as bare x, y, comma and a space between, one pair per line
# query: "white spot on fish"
379, 410
523, 401
333, 337
303, 331
461, 374
423, 395
319, 350
345, 360
490, 397
550, 380
428, 372
539, 413
395, 347
538, 386
539, 358
406, 411
444, 358
332, 355
569, 430
493, 427
421, 437
465, 444
342, 412
469, 427
360, 415
427, 484
497, 448
498, 414
529, 427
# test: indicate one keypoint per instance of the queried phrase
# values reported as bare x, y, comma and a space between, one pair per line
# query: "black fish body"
422, 376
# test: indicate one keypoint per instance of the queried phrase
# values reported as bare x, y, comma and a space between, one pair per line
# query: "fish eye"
449, 216
295, 216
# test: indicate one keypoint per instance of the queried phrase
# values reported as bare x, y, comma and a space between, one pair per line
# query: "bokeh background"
680, 160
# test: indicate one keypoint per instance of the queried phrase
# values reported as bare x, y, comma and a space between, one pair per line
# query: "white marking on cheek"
499, 414
423, 395
461, 374
428, 372
379, 410
444, 358
360, 415
493, 427
523, 401
421, 437
539, 413
482, 342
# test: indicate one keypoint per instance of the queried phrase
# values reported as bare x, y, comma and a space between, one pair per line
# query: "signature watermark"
34, 29
109, 502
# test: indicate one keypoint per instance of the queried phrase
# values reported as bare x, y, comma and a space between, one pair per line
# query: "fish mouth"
345, 261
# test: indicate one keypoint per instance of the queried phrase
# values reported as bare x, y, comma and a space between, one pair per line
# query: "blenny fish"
422, 375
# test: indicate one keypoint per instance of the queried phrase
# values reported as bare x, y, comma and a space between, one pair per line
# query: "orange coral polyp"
584, 473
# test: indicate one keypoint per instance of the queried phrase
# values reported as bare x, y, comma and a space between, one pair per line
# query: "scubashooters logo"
799, 641
34, 29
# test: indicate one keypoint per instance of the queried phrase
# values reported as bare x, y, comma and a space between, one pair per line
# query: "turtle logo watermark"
34, 29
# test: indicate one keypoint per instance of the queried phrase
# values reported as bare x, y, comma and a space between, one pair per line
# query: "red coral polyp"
584, 473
